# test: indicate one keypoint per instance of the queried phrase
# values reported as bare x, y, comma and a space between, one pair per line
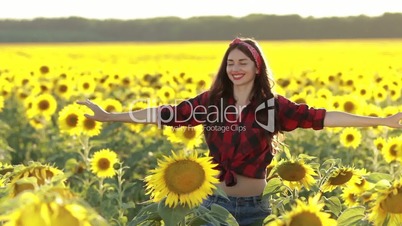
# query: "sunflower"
44, 104
111, 105
364, 91
182, 179
39, 122
146, 92
69, 118
299, 98
42, 87
380, 94
6, 88
42, 174
392, 150
350, 197
126, 81
388, 205
64, 89
342, 177
372, 110
362, 185
307, 214
352, 104
102, 163
21, 94
394, 92
86, 85
188, 91
324, 93
335, 103
135, 106
171, 134
350, 137
37, 209
190, 136
296, 173
379, 143
90, 127
5, 169
166, 93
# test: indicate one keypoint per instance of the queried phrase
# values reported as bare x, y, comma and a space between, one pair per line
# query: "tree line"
259, 26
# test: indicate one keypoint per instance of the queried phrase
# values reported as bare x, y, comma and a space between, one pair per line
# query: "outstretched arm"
143, 116
343, 119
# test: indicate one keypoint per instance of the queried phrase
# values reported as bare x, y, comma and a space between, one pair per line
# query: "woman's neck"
242, 94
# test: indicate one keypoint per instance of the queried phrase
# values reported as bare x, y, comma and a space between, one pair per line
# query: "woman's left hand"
394, 121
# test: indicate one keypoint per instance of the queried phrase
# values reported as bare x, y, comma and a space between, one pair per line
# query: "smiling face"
240, 68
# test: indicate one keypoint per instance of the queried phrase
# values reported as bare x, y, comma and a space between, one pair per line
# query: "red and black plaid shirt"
239, 144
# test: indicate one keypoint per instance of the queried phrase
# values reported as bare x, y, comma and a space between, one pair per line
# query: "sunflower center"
185, 176
44, 69
341, 178
89, 124
23, 95
336, 104
63, 89
393, 151
201, 83
189, 133
110, 108
85, 86
392, 204
167, 94
300, 100
43, 105
72, 120
349, 106
291, 171
44, 88
104, 164
350, 138
380, 146
25, 81
361, 183
352, 197
126, 81
305, 219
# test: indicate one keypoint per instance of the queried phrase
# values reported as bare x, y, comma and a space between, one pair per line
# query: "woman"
241, 116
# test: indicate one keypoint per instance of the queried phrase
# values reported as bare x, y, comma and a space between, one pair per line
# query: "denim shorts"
247, 210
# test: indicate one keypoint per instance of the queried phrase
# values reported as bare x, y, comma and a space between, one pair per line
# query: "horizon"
126, 10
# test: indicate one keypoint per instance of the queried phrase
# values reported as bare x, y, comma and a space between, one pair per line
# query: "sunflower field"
58, 167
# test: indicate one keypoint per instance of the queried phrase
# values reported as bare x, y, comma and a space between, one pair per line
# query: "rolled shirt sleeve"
293, 115
190, 112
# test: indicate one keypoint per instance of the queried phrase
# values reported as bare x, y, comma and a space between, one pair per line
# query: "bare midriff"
245, 187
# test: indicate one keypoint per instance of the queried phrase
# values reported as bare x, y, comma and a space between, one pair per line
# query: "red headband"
253, 51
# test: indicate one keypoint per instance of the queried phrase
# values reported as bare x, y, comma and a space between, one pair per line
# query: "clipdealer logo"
269, 105
200, 110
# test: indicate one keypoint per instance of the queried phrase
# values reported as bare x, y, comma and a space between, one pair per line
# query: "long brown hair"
222, 86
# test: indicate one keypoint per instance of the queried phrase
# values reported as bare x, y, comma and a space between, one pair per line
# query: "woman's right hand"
99, 113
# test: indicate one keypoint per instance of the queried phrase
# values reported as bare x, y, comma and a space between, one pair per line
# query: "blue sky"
135, 9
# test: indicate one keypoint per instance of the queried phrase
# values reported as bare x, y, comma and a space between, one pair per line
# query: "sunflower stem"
295, 194
101, 188
375, 160
84, 140
120, 189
